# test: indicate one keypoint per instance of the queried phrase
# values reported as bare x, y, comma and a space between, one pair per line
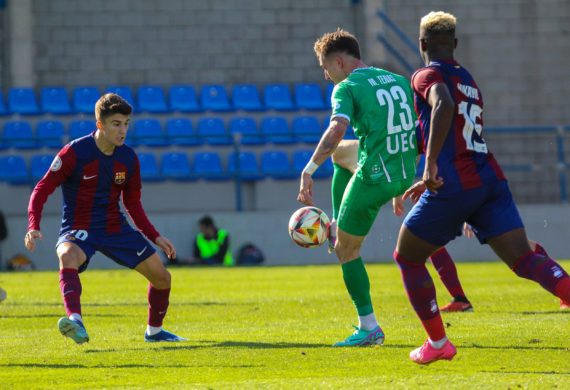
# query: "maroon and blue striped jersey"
92, 185
464, 162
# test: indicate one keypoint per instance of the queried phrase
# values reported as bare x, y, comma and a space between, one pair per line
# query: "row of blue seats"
177, 131
275, 164
181, 98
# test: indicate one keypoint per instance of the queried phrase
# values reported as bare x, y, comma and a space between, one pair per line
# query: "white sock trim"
367, 322
438, 344
75, 317
152, 330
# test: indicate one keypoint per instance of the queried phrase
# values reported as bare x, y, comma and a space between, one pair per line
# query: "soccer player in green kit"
379, 106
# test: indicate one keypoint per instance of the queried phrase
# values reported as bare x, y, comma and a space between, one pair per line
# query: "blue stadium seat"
349, 131
183, 99
248, 167
246, 97
50, 134
148, 132
23, 101
302, 157
276, 130
208, 166
84, 99
149, 167
80, 128
151, 99
3, 108
278, 97
309, 96
276, 164
215, 98
40, 164
176, 166
328, 94
54, 100
13, 170
307, 129
179, 131
123, 91
213, 131
19, 135
247, 127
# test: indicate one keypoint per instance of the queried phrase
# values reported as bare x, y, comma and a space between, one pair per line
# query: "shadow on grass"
68, 366
60, 315
531, 313
138, 303
212, 344
528, 372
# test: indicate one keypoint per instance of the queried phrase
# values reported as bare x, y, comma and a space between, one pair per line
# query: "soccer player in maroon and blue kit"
462, 182
94, 172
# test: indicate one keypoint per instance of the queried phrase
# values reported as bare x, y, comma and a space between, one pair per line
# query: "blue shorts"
128, 249
489, 209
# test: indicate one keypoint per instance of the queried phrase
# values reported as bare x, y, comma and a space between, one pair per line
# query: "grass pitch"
273, 328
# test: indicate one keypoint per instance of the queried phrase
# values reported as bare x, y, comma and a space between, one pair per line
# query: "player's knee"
163, 280
347, 250
69, 259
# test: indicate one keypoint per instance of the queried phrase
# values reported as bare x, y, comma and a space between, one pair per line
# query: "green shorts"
362, 201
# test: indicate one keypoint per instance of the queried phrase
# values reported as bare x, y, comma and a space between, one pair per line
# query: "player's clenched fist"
30, 239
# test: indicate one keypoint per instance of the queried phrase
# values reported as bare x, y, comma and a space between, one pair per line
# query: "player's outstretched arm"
167, 246
30, 239
326, 147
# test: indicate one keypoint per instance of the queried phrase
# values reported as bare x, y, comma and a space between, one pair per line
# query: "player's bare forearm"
330, 140
441, 116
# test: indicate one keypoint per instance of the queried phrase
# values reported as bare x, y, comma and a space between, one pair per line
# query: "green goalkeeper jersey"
379, 106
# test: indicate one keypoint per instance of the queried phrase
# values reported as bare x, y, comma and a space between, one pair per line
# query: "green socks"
358, 285
340, 179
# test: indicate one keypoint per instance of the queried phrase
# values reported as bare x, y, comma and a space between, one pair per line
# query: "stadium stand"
328, 94
123, 91
275, 129
149, 167
183, 99
276, 164
307, 129
50, 134
3, 108
213, 131
19, 135
84, 99
278, 97
246, 97
13, 169
179, 132
247, 129
151, 99
23, 101
176, 166
215, 98
309, 96
148, 132
39, 165
208, 166
80, 128
54, 100
248, 168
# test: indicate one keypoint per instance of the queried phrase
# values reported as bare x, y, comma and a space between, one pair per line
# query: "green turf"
273, 327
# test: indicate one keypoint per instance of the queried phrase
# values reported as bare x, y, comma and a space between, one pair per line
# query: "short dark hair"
207, 221
337, 41
110, 104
